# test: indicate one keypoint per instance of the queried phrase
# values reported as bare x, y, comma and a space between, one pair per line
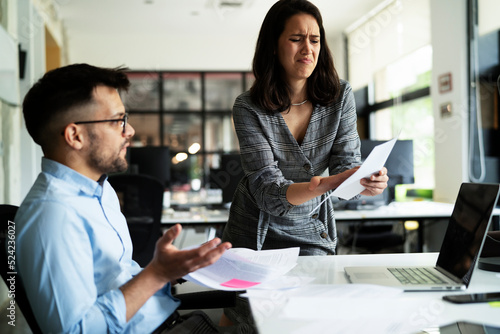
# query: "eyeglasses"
122, 120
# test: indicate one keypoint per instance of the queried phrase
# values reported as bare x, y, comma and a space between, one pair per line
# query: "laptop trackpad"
363, 276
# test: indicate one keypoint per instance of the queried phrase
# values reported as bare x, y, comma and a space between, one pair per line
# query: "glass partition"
144, 93
221, 89
189, 112
182, 91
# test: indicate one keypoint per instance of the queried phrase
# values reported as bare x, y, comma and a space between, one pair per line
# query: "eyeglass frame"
124, 120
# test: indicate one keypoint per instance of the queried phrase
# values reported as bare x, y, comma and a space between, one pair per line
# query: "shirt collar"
72, 177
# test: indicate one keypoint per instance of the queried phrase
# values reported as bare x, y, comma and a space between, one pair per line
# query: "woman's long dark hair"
270, 90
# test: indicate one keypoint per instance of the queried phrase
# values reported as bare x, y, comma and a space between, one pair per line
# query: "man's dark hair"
63, 89
270, 89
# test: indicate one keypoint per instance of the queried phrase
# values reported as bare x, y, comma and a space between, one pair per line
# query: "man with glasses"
74, 252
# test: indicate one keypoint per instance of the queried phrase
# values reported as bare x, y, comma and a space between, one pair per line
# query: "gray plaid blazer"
260, 216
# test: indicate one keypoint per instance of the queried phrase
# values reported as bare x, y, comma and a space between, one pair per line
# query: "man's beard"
105, 164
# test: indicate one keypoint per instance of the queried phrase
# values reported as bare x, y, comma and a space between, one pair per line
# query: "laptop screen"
467, 228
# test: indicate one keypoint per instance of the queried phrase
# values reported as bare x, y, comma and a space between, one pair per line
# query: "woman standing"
297, 121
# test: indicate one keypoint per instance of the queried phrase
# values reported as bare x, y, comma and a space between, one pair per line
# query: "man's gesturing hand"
171, 263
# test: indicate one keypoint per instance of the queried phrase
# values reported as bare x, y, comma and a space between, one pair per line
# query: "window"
189, 112
412, 120
391, 54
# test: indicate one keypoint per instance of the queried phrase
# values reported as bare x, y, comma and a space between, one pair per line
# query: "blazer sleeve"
345, 153
266, 183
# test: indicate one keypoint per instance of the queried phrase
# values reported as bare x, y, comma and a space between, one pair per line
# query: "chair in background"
7, 214
375, 238
207, 299
141, 201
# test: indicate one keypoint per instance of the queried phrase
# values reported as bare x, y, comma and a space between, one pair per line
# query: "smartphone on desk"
461, 327
473, 298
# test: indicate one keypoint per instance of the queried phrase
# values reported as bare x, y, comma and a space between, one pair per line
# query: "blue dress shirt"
74, 252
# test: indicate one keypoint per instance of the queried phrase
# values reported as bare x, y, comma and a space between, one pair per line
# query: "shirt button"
324, 235
307, 167
314, 216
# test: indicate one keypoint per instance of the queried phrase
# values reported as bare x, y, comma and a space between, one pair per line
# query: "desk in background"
203, 218
421, 211
199, 218
329, 270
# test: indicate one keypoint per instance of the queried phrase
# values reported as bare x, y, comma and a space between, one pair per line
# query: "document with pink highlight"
243, 268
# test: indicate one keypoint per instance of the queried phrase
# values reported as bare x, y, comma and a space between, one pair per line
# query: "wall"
9, 138
9, 122
35, 19
488, 20
164, 52
336, 45
27, 22
172, 52
396, 31
449, 43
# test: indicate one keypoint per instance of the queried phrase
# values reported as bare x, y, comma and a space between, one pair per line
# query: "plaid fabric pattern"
260, 215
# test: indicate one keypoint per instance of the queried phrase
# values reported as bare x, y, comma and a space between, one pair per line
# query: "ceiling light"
224, 8
181, 156
193, 149
231, 3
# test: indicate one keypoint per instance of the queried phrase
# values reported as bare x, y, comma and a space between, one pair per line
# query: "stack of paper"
242, 268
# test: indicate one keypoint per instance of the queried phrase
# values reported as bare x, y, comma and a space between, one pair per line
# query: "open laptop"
460, 249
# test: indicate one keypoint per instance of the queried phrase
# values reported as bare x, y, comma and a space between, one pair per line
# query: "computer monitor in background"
399, 169
399, 164
152, 161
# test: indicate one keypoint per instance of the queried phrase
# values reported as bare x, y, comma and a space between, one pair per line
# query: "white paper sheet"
343, 308
317, 301
242, 269
372, 164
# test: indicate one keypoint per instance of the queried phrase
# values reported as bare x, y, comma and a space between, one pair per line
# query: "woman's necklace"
299, 104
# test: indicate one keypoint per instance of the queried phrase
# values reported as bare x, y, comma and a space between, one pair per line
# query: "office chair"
367, 238
7, 213
141, 202
207, 299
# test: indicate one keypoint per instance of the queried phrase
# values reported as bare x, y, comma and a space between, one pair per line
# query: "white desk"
198, 218
328, 270
195, 217
420, 211
401, 210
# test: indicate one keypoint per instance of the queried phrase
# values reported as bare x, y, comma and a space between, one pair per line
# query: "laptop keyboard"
415, 275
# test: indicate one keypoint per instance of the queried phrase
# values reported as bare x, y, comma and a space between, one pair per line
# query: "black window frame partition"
203, 113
